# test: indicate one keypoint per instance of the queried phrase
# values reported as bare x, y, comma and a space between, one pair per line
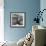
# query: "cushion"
20, 42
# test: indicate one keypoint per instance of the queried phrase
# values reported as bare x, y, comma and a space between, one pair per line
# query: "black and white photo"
17, 19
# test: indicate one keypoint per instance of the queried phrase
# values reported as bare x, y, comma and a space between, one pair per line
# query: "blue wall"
43, 6
28, 6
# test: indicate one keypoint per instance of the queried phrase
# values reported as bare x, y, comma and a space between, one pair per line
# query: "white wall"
1, 20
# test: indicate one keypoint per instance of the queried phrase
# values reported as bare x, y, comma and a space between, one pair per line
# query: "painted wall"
1, 21
28, 6
43, 6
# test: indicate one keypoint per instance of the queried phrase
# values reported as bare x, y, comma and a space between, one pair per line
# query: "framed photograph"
17, 19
